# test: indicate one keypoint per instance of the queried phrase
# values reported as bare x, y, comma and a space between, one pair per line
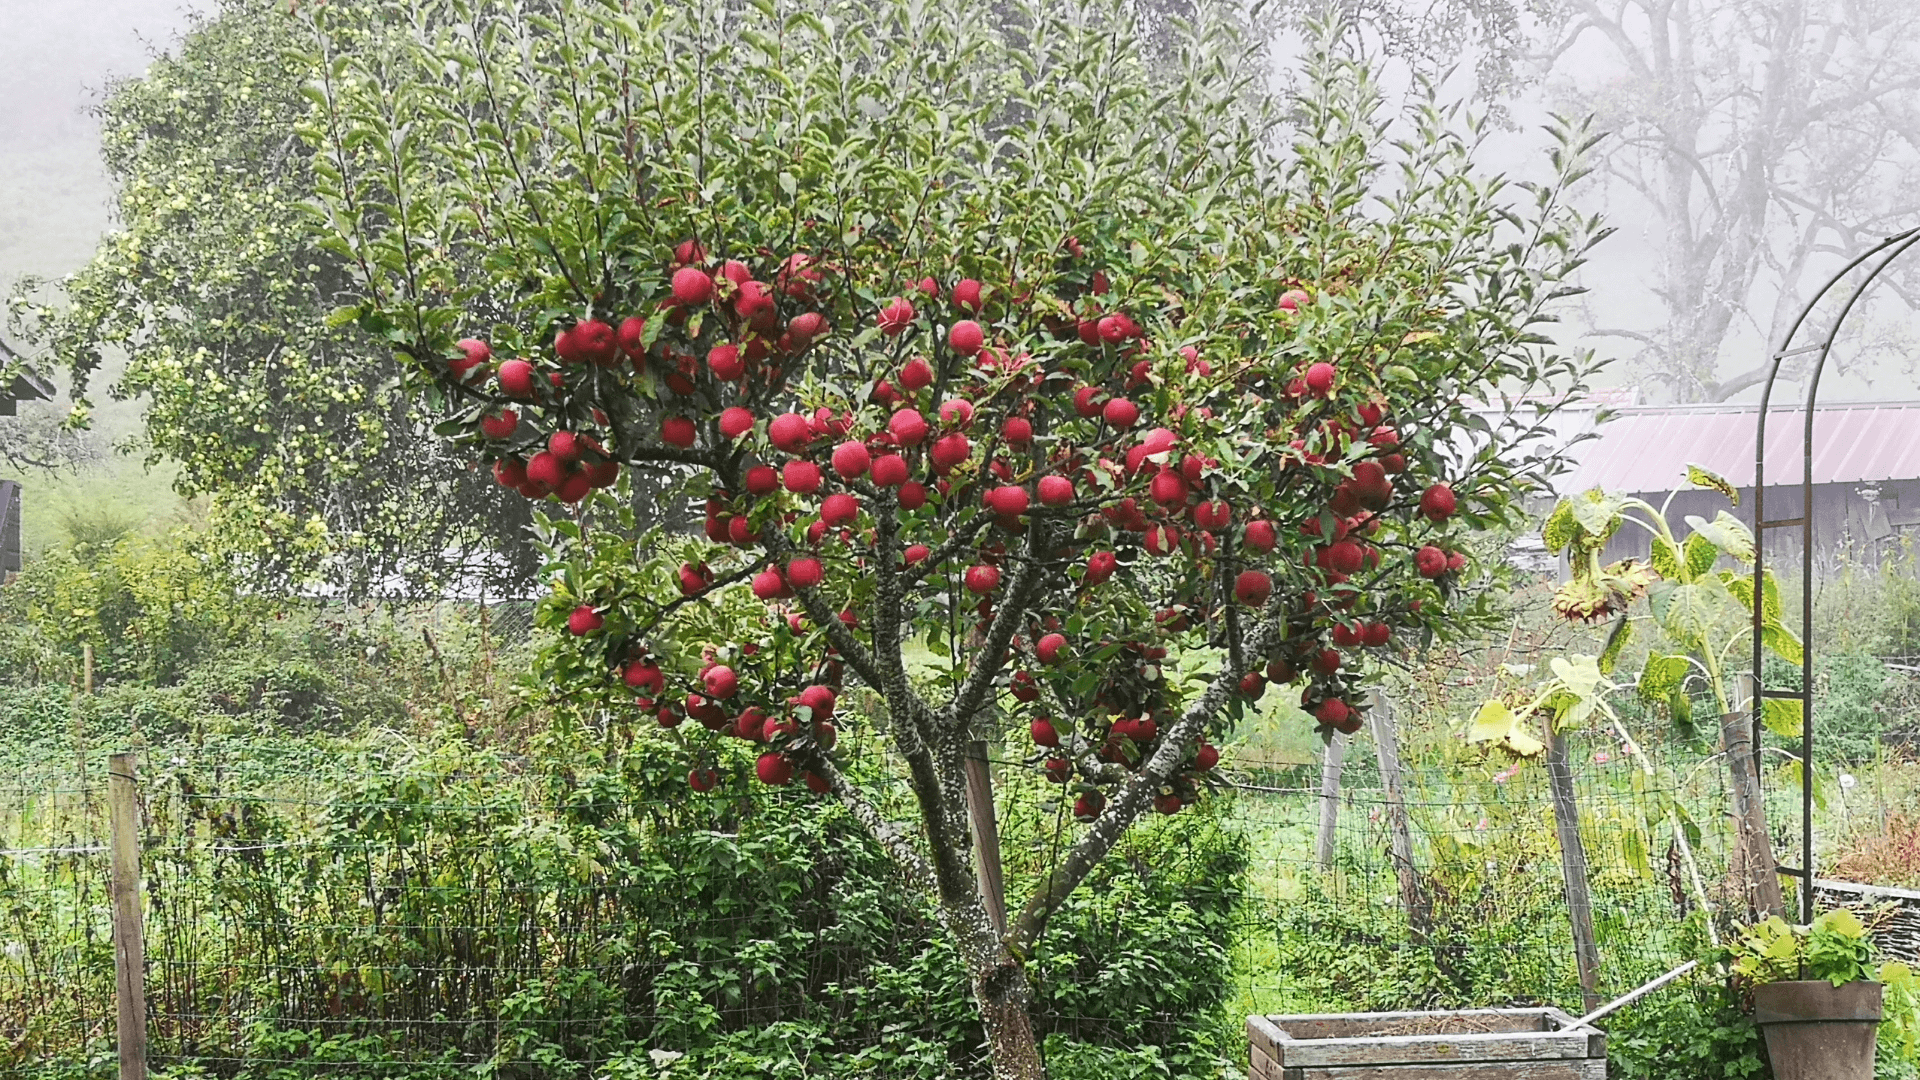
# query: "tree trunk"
1000, 991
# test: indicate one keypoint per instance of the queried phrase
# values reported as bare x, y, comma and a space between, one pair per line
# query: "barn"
24, 387
1866, 473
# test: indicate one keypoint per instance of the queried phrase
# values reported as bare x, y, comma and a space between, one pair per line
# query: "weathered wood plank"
1338, 1025
1262, 1034
1582, 1069
1407, 1049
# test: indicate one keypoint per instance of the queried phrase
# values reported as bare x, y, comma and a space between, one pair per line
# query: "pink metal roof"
1647, 449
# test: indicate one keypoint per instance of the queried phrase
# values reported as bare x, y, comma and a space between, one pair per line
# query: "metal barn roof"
1647, 448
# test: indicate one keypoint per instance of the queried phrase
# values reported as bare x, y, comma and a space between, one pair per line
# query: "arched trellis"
1886, 251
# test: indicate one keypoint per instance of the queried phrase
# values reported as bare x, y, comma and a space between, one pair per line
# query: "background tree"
904, 294
1771, 139
319, 467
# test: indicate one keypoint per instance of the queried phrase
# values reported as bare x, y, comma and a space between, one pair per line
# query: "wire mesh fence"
445, 922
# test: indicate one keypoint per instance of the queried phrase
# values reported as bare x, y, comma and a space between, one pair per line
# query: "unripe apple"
1430, 561
908, 427
850, 459
839, 508
768, 584
1120, 413
677, 431
1043, 733
1100, 566
790, 432
584, 620
774, 769
1048, 648
913, 495
516, 378
917, 374
735, 422
805, 573
691, 287
1009, 501
982, 578
1056, 490
967, 294
1437, 502
889, 470
1017, 431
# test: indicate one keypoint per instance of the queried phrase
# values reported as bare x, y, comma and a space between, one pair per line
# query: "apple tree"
1008, 366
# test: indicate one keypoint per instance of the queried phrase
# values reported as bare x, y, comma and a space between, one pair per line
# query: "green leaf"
1701, 555
1782, 642
1661, 676
1782, 717
1700, 476
1666, 560
1726, 532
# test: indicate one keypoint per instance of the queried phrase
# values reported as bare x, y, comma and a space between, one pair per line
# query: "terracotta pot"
1819, 1031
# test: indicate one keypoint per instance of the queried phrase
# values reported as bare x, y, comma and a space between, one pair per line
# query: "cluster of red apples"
990, 427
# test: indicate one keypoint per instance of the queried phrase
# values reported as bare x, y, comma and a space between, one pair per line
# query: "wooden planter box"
1472, 1044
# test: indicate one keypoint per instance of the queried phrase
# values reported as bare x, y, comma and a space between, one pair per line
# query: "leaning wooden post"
986, 834
1754, 867
1573, 868
1326, 842
129, 933
1386, 748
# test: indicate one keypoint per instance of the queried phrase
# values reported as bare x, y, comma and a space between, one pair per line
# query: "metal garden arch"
1886, 251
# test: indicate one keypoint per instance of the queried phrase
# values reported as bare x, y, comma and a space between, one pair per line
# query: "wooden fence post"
1326, 843
986, 834
1753, 867
1386, 748
1573, 867
129, 940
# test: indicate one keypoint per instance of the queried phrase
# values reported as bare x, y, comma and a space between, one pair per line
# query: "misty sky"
56, 201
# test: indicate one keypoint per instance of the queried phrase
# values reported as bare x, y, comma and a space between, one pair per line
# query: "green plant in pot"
1817, 996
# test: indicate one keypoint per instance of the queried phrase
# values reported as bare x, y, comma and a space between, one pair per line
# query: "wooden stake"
1386, 748
1753, 866
129, 932
1326, 843
1573, 868
986, 835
